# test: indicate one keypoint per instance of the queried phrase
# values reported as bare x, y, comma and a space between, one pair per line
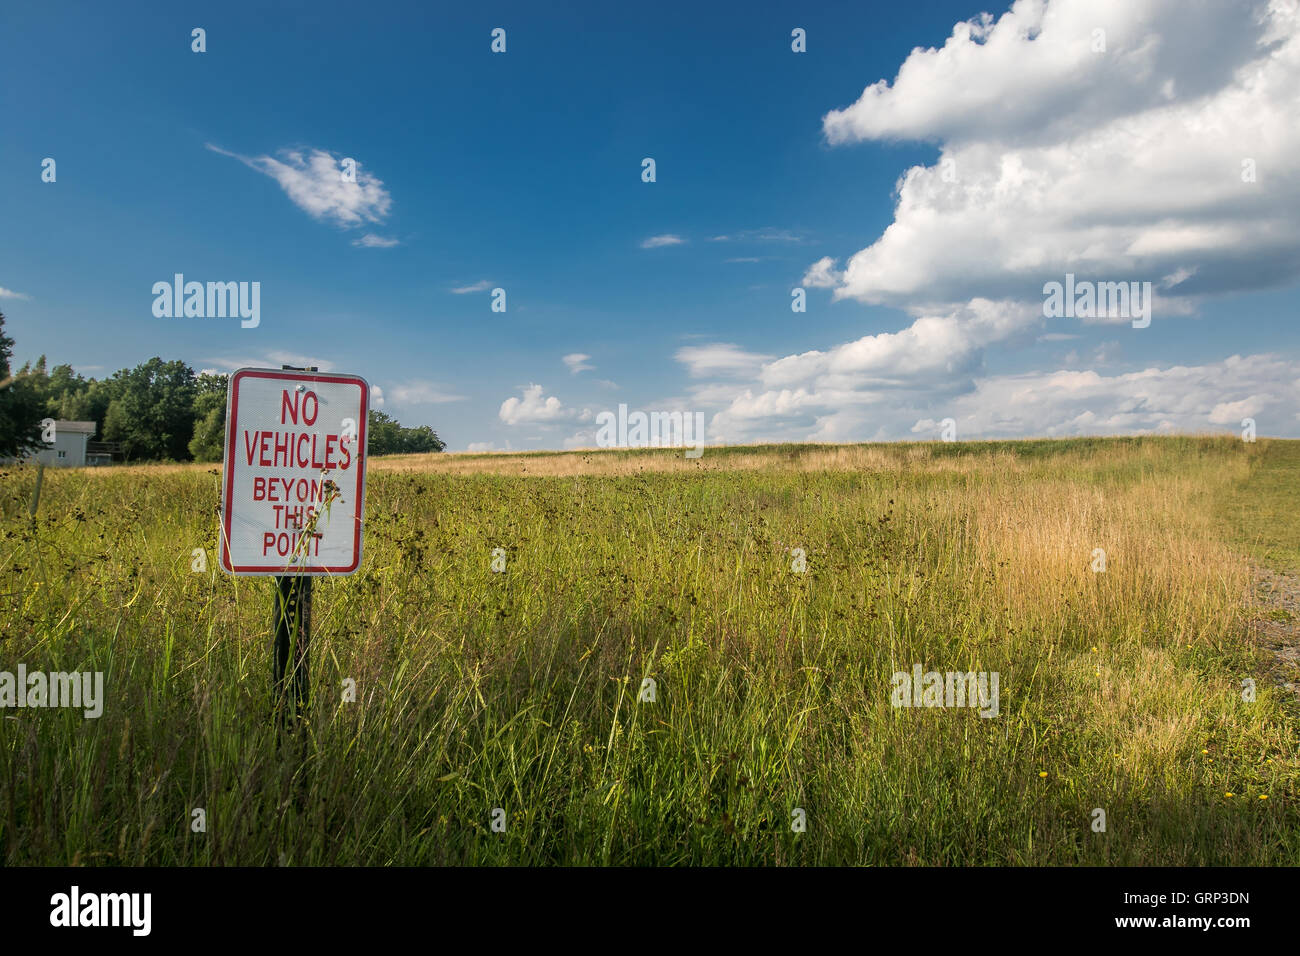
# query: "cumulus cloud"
1118, 140
822, 274
577, 362
533, 408
1129, 163
1180, 398
376, 396
933, 350
314, 181
1209, 397
656, 242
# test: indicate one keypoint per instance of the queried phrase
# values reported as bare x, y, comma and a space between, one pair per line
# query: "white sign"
295, 472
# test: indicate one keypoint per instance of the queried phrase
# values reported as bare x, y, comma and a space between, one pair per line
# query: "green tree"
152, 414
64, 394
209, 418
20, 404
386, 436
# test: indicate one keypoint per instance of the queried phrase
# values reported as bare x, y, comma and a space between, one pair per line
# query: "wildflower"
1042, 773
1228, 794
1263, 796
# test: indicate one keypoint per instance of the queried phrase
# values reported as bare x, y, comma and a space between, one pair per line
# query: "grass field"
475, 690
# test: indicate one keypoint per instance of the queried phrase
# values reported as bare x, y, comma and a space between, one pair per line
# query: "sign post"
292, 504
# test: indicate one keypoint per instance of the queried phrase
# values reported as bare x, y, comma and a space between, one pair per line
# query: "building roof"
86, 428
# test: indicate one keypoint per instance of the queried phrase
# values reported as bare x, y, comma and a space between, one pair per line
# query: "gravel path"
1278, 625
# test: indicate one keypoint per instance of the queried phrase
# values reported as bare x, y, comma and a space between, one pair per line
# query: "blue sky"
774, 170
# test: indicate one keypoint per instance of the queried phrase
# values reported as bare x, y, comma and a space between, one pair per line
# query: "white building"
69, 449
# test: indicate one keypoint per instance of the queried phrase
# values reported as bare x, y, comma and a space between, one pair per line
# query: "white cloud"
314, 182
1055, 403
720, 358
481, 446
1122, 165
1153, 400
577, 362
1033, 73
934, 350
767, 234
421, 393
372, 241
376, 396
11, 294
533, 408
272, 359
822, 274
656, 242
481, 286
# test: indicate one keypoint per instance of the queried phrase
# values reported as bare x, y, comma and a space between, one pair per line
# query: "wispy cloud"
316, 184
481, 286
656, 242
11, 294
577, 362
272, 359
421, 393
760, 235
371, 241
720, 358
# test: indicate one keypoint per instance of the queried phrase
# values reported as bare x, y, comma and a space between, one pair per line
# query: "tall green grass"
476, 690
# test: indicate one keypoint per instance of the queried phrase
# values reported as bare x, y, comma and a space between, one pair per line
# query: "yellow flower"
1205, 751
1263, 796
1042, 773
1228, 794
1094, 650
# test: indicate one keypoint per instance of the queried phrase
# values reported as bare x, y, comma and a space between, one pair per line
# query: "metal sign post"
291, 631
292, 500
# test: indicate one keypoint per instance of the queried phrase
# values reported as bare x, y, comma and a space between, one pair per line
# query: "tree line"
157, 411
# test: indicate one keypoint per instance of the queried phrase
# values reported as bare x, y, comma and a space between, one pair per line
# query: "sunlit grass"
519, 690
